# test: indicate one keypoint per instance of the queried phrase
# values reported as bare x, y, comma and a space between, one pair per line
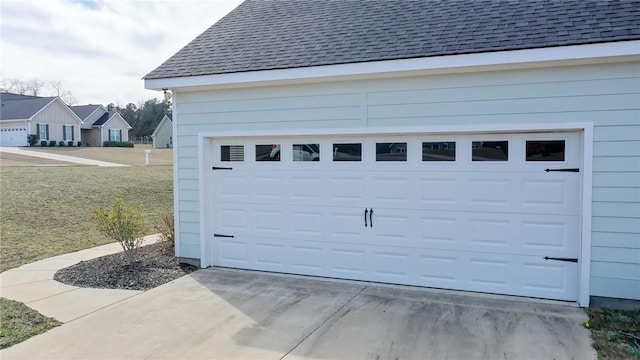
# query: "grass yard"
45, 211
129, 156
19, 322
615, 333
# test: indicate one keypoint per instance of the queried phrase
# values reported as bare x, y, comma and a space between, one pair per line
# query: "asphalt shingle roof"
20, 107
84, 110
278, 34
102, 119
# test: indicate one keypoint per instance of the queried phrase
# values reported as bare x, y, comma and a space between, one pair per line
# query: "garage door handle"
365, 216
371, 217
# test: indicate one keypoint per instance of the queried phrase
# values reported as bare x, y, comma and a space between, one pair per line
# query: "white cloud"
99, 49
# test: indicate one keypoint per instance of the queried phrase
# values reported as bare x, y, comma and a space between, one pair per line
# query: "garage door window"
490, 151
439, 151
232, 153
306, 152
347, 152
547, 150
270, 152
391, 151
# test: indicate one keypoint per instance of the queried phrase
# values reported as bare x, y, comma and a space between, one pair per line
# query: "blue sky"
99, 49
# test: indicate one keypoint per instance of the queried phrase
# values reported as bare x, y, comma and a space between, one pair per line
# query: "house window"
67, 131
115, 135
43, 131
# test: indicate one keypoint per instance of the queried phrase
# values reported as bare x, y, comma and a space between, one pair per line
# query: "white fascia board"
551, 56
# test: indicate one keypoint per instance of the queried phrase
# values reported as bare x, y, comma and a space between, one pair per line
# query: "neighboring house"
472, 145
48, 117
99, 125
163, 134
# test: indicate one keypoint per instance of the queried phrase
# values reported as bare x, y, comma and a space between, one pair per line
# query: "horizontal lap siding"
607, 95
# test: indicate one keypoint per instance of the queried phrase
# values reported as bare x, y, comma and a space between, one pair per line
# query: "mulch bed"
154, 266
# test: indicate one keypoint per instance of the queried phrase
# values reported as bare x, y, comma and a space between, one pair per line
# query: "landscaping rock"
153, 268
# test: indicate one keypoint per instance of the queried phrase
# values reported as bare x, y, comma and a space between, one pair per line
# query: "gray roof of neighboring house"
83, 111
18, 107
279, 34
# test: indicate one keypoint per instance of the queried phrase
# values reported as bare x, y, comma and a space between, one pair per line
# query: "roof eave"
513, 59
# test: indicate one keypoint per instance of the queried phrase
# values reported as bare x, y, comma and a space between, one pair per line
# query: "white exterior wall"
56, 115
607, 95
115, 122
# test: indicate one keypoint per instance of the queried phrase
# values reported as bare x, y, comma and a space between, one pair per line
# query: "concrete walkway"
71, 159
33, 285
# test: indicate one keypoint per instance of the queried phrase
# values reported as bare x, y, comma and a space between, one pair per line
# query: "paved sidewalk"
71, 159
33, 285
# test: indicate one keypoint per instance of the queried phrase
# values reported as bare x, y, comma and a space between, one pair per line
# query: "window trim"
64, 132
116, 131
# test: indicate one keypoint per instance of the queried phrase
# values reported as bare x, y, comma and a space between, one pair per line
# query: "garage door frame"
585, 128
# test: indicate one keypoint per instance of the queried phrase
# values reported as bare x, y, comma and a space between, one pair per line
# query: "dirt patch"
7, 159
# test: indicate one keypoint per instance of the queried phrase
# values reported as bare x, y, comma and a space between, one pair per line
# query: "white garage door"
468, 212
13, 136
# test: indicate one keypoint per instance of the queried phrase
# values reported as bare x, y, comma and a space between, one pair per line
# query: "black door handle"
365, 216
371, 217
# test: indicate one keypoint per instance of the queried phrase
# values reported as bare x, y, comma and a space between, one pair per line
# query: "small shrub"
79, 143
123, 224
118, 144
44, 143
167, 233
32, 139
70, 143
61, 143
52, 143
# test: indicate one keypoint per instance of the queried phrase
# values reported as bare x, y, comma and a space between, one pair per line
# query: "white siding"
607, 95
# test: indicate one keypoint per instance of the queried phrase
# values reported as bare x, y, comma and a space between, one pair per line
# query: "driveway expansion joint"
364, 287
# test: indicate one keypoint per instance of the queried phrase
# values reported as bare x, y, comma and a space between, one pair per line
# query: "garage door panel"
232, 253
438, 191
389, 191
391, 265
447, 222
308, 258
348, 261
270, 255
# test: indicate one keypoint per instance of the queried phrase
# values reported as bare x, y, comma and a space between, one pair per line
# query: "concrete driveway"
224, 314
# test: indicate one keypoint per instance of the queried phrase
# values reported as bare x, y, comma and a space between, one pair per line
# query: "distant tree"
34, 87
65, 95
9, 85
145, 116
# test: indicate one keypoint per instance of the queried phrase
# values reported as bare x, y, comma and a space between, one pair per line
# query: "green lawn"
45, 211
18, 323
615, 333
